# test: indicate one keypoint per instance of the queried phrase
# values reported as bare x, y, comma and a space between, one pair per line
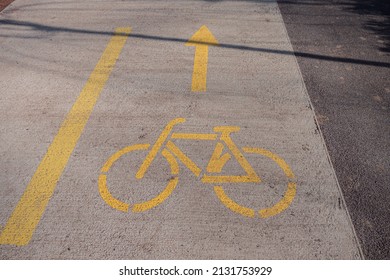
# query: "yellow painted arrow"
201, 40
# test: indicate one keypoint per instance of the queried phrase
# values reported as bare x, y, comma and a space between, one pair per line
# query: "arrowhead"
202, 37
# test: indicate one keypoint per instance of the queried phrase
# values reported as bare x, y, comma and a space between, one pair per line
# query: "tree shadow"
380, 8
377, 10
381, 24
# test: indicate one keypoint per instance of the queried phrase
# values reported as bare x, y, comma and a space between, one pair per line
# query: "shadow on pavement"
47, 28
380, 9
381, 26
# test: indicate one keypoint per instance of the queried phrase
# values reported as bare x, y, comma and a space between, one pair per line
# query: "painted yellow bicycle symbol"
172, 152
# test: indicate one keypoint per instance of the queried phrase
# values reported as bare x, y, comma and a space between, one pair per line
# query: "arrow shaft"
199, 75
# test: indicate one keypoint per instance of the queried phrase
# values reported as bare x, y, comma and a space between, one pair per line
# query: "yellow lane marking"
102, 182
286, 169
172, 161
291, 191
217, 161
156, 147
225, 137
185, 159
120, 153
140, 207
283, 204
228, 179
240, 157
28, 212
201, 41
171, 153
143, 206
233, 205
107, 196
194, 136
199, 75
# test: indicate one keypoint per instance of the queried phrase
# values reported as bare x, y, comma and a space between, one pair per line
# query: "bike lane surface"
249, 80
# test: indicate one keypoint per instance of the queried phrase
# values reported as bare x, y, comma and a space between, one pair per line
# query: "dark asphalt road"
351, 100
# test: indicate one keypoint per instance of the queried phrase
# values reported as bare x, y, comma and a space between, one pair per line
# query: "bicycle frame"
216, 162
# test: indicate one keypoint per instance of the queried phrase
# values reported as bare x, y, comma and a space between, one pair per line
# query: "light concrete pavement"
68, 188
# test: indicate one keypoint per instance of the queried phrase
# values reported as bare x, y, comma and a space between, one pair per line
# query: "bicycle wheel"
275, 209
141, 206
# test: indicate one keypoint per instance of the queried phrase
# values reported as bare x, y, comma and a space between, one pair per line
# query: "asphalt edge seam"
343, 202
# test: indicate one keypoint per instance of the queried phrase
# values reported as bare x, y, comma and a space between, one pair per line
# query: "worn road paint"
184, 158
102, 182
194, 136
250, 176
201, 41
291, 191
171, 152
217, 160
28, 212
156, 147
142, 206
231, 204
